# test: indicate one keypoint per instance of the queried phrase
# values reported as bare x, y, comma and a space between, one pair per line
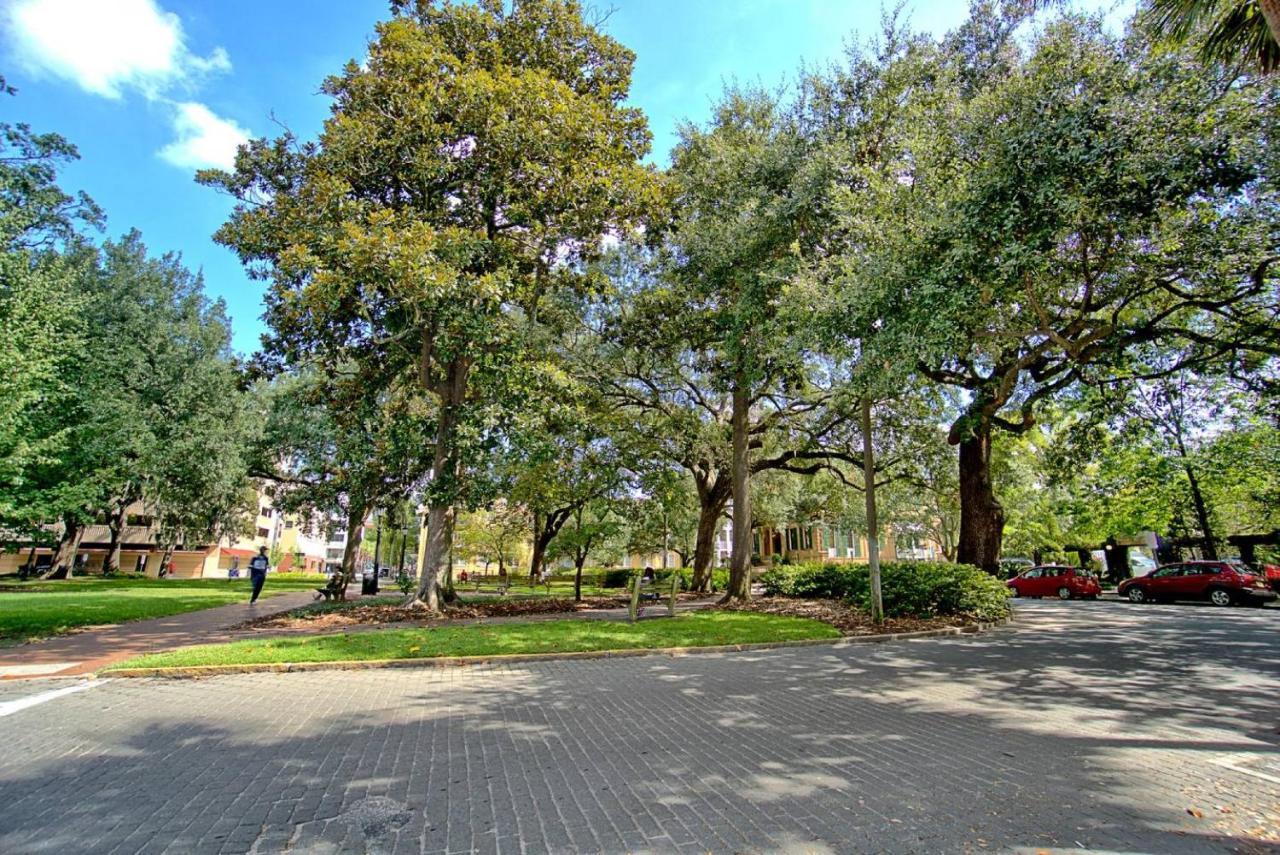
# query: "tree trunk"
541, 539
111, 564
711, 508
579, 560
165, 559
740, 561
444, 465
64, 558
1209, 547
873, 527
1271, 12
351, 548
447, 591
981, 516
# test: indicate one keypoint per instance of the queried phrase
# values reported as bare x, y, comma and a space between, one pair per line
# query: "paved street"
1091, 726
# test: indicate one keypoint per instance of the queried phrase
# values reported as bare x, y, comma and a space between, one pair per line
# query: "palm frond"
1230, 31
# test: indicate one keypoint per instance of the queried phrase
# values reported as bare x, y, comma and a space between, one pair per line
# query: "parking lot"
1087, 726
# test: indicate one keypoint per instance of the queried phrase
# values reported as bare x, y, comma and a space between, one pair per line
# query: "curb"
195, 671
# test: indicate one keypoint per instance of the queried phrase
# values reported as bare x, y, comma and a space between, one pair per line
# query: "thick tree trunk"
1271, 12
444, 465
981, 516
111, 564
351, 547
711, 508
541, 539
428, 595
447, 592
873, 524
740, 561
64, 558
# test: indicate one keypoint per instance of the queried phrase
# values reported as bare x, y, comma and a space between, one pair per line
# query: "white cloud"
204, 139
106, 46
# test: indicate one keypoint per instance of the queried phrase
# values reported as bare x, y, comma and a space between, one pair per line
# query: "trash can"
369, 583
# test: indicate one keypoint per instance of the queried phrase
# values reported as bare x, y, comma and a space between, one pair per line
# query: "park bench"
331, 589
653, 591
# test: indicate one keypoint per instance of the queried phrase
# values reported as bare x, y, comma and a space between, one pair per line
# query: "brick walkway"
1089, 727
87, 651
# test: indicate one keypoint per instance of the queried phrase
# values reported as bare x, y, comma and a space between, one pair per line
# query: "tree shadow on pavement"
1067, 733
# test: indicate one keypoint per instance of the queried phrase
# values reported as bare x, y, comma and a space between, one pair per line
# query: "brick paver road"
1092, 726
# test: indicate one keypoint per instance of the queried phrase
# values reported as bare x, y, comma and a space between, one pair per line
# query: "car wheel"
1137, 595
1064, 593
1221, 597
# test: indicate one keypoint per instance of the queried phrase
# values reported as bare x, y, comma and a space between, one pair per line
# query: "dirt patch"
849, 620
357, 614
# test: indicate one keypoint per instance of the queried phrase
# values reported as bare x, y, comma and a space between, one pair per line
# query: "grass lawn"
35, 609
700, 629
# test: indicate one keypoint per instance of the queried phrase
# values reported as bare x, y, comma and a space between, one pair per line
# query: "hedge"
621, 577
909, 588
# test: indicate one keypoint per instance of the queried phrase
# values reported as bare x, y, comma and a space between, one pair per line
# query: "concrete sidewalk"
88, 650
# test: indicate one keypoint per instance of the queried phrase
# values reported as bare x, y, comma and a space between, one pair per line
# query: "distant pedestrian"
258, 567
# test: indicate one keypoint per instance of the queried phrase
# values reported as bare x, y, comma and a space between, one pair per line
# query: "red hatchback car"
1220, 582
1055, 580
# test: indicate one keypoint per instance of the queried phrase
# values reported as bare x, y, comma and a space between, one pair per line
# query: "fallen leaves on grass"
359, 614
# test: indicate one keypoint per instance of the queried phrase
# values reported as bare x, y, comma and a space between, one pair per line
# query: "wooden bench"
332, 588
653, 591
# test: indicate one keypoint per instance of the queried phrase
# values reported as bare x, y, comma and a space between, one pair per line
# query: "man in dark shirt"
258, 567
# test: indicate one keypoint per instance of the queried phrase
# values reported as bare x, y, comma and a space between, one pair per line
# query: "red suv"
1220, 582
1055, 580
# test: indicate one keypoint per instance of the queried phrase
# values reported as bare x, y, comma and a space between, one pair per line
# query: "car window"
1171, 570
1031, 574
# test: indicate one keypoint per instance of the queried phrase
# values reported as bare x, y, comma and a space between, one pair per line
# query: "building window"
262, 532
264, 511
288, 524
855, 546
793, 541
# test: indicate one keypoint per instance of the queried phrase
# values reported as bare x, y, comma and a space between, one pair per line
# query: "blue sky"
150, 90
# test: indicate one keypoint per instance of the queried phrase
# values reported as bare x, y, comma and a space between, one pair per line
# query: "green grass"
35, 609
700, 629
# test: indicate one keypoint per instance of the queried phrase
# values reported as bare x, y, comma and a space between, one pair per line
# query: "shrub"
909, 588
616, 577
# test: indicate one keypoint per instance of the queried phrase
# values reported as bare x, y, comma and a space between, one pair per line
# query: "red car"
1055, 580
1272, 572
1220, 582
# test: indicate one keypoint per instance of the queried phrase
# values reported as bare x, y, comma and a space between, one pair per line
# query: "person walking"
258, 567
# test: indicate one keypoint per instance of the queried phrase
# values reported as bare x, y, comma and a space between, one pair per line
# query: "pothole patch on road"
376, 816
